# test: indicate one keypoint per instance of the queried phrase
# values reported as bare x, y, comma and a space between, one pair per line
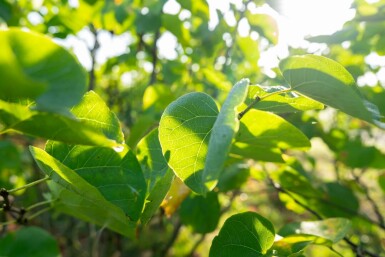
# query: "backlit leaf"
184, 132
32, 66
328, 82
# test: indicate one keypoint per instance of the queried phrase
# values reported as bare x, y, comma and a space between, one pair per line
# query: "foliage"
189, 152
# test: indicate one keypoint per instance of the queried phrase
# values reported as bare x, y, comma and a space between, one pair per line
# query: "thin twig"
154, 55
359, 250
172, 240
93, 51
242, 113
196, 245
374, 205
28, 185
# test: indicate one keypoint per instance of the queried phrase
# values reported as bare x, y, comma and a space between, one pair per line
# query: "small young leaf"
333, 229
184, 132
225, 127
243, 234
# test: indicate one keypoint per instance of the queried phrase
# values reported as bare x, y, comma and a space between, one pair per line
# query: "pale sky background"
299, 18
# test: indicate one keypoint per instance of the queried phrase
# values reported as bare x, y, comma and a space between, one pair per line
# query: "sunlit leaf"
262, 134
333, 229
222, 134
33, 67
184, 133
279, 103
328, 82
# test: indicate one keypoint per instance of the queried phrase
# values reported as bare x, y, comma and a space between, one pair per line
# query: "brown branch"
93, 51
359, 250
376, 209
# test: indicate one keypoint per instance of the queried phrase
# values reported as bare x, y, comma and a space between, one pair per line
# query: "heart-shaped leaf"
245, 234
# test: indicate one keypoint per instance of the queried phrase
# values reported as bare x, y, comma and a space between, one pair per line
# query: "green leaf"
87, 128
262, 134
184, 132
157, 174
328, 82
246, 234
33, 67
233, 177
201, 212
117, 175
291, 246
279, 103
99, 212
78, 197
333, 229
29, 241
225, 127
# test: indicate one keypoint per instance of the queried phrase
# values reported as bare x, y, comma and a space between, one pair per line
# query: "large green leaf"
279, 103
184, 132
201, 212
262, 134
29, 241
330, 83
246, 234
78, 197
157, 174
116, 175
32, 66
86, 129
222, 134
333, 229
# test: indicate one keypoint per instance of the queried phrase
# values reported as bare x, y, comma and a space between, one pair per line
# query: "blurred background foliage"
165, 49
